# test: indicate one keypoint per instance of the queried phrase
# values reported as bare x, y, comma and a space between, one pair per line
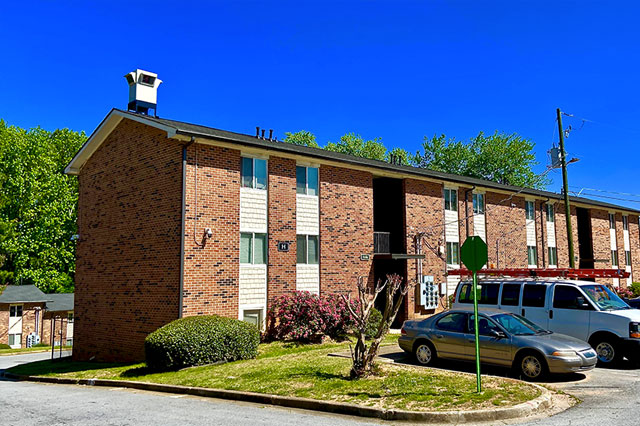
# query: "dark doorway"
585, 241
382, 268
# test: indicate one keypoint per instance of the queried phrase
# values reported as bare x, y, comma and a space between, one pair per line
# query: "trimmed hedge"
4, 346
200, 340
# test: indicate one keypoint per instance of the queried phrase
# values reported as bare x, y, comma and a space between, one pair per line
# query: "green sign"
474, 256
474, 253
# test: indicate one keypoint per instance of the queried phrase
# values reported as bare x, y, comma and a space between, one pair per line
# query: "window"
550, 213
533, 295
307, 249
15, 340
453, 253
553, 256
70, 341
614, 257
15, 311
147, 79
565, 297
307, 180
511, 294
532, 256
529, 209
253, 316
451, 199
625, 223
253, 248
627, 257
486, 327
487, 294
612, 221
478, 203
452, 322
254, 173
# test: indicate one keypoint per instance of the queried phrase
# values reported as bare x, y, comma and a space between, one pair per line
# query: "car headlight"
634, 330
565, 354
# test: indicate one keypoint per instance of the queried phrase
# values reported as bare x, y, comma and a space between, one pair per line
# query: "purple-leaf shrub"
302, 316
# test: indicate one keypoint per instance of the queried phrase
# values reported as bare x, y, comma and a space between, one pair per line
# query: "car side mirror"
498, 334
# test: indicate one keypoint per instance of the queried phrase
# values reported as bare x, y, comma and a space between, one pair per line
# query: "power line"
610, 198
608, 192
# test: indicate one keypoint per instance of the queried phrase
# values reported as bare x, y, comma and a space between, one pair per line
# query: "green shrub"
4, 346
200, 340
635, 289
375, 317
40, 345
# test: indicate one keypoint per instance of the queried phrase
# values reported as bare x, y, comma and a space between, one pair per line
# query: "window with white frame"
307, 249
532, 256
15, 339
253, 316
307, 180
550, 213
451, 199
254, 173
553, 256
253, 248
15, 311
627, 257
478, 203
614, 257
453, 253
612, 221
625, 223
529, 209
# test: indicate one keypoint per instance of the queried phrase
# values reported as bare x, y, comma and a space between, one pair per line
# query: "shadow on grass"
41, 368
138, 372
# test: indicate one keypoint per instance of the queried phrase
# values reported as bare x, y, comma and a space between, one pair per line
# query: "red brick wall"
211, 272
622, 261
601, 240
424, 214
281, 275
128, 255
541, 234
28, 321
45, 334
346, 228
634, 242
562, 242
506, 223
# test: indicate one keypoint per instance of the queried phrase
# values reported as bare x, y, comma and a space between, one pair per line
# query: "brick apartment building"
177, 219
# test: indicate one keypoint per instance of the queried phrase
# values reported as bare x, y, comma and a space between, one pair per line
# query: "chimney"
143, 91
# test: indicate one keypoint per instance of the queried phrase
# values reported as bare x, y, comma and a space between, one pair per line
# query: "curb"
521, 410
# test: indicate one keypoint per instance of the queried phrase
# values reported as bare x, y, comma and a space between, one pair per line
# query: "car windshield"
603, 297
520, 326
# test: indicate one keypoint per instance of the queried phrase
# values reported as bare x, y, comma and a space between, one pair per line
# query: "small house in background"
26, 314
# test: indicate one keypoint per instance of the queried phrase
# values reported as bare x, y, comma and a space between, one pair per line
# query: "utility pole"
565, 190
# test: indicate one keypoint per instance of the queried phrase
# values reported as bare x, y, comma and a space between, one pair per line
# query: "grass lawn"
37, 349
306, 371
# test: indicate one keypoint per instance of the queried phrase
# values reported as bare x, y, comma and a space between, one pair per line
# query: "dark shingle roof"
60, 302
189, 129
23, 294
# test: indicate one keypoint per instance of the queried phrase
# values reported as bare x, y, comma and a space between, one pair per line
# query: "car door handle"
522, 311
439, 336
551, 314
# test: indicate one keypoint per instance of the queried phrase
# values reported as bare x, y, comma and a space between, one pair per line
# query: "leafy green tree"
38, 206
502, 158
302, 137
354, 144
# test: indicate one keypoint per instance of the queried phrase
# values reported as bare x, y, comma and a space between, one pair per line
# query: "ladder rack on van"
547, 273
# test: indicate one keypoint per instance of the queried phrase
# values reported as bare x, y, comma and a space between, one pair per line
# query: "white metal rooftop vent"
143, 91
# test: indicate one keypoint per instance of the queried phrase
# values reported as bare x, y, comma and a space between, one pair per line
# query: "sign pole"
475, 327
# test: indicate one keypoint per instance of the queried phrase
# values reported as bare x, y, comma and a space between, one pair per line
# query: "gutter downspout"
466, 208
183, 220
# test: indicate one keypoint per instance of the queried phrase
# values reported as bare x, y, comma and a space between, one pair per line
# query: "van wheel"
532, 366
607, 350
424, 353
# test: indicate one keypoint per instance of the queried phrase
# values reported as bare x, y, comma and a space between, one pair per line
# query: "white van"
583, 309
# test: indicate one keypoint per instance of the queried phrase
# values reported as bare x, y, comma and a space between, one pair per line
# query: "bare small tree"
363, 355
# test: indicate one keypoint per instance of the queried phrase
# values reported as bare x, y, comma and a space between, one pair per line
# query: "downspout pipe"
466, 207
183, 220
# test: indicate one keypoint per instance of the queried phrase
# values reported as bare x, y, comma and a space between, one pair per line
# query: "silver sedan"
506, 339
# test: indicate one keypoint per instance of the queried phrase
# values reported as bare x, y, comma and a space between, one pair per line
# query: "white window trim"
444, 198
306, 237
253, 181
306, 181
484, 202
253, 248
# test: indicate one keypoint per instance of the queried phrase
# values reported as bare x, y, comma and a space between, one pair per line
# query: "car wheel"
532, 367
607, 351
424, 353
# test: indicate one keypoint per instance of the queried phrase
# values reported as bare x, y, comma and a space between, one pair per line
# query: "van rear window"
511, 294
488, 294
534, 295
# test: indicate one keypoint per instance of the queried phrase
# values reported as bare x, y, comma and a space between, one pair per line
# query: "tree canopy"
500, 157
37, 207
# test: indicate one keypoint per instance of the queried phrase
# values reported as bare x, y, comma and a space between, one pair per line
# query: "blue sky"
396, 70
